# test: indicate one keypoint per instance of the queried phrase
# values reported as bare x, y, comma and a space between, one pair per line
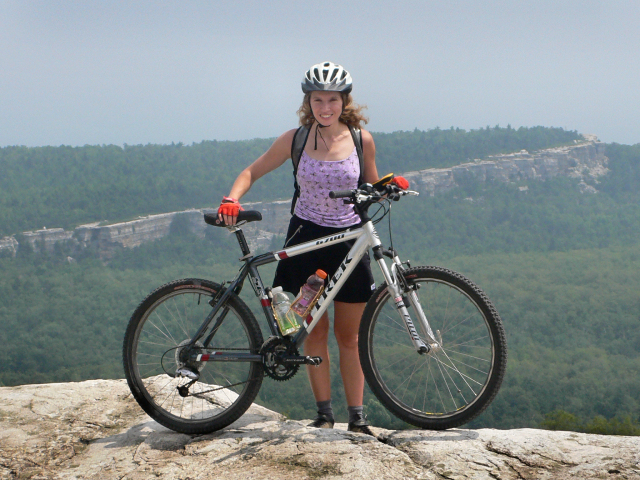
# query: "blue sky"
137, 72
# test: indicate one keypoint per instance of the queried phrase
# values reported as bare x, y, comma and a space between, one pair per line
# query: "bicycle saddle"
243, 216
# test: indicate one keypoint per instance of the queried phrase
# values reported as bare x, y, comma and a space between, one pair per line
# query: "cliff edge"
95, 430
583, 161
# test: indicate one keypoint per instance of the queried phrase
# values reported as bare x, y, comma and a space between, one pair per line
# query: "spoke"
404, 346
146, 342
167, 335
426, 388
164, 304
469, 343
183, 324
164, 329
435, 383
453, 367
399, 360
471, 315
150, 355
487, 360
446, 310
446, 385
462, 375
486, 373
157, 335
397, 325
407, 381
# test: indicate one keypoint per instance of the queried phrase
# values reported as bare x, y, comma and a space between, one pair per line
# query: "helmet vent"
328, 77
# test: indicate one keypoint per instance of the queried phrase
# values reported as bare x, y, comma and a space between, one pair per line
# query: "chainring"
272, 350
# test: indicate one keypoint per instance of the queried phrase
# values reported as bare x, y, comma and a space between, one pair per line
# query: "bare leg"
316, 345
346, 324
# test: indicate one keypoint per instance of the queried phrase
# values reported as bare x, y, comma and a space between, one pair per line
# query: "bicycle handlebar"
342, 193
368, 193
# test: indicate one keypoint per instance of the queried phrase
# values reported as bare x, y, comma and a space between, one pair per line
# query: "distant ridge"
581, 161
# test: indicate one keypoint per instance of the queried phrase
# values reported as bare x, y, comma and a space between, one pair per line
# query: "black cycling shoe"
322, 421
361, 426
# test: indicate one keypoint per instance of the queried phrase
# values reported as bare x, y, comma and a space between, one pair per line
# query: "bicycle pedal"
187, 373
315, 361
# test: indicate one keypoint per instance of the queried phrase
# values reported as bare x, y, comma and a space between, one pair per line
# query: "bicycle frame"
365, 237
407, 367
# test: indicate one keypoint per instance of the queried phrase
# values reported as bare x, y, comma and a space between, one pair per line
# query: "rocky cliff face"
95, 430
580, 161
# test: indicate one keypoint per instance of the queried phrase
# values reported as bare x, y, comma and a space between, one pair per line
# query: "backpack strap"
356, 134
297, 147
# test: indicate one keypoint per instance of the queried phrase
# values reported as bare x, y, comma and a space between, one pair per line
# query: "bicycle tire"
164, 321
446, 387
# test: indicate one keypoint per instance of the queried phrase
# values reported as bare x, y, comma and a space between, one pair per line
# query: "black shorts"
293, 272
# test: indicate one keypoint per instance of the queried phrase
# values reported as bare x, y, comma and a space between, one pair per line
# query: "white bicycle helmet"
327, 76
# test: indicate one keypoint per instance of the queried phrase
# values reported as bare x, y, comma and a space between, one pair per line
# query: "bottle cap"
276, 290
321, 273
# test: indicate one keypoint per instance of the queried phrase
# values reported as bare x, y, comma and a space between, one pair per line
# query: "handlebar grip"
341, 193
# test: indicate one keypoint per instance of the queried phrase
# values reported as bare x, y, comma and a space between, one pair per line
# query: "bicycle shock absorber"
397, 292
411, 298
421, 346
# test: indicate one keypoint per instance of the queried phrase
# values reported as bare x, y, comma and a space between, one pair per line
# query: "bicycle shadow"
159, 437
255, 430
398, 437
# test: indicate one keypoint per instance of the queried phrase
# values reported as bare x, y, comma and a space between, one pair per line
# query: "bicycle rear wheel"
159, 330
450, 385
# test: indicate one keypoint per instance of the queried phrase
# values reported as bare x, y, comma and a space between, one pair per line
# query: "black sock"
324, 408
355, 413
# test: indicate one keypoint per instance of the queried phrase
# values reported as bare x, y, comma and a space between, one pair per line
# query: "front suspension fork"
397, 286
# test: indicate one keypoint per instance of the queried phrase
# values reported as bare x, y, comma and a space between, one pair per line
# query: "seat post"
242, 242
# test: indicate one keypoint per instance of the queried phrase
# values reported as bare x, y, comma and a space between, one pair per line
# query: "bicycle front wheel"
453, 383
159, 330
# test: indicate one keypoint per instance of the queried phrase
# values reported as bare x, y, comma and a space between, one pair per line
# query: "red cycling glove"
229, 206
401, 182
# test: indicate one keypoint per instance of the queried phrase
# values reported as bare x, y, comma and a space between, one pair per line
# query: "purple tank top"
316, 179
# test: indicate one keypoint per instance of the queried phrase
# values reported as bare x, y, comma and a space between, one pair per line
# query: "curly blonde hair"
351, 112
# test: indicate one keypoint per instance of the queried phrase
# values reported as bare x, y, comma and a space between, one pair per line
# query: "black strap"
297, 147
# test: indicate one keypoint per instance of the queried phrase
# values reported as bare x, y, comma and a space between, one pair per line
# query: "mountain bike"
431, 344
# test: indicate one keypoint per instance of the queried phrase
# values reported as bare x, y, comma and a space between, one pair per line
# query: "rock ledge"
95, 430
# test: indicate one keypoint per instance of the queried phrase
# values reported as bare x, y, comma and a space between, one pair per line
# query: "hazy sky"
137, 72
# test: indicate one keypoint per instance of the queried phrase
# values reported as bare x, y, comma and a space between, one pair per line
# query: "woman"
328, 162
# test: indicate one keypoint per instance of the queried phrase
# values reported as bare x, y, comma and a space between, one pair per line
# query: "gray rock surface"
95, 430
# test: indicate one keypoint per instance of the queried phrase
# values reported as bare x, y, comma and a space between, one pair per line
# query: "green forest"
562, 267
69, 186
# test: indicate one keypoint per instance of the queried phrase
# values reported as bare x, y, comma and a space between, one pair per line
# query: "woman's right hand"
228, 210
277, 154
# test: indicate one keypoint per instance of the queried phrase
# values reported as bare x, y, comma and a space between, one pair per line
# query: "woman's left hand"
400, 182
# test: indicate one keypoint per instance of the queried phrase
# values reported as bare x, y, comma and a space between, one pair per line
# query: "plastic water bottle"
309, 293
282, 310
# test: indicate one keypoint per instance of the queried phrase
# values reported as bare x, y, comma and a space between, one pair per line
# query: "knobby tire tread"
427, 421
243, 402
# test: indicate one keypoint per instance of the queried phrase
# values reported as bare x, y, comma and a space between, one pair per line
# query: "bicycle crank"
281, 358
